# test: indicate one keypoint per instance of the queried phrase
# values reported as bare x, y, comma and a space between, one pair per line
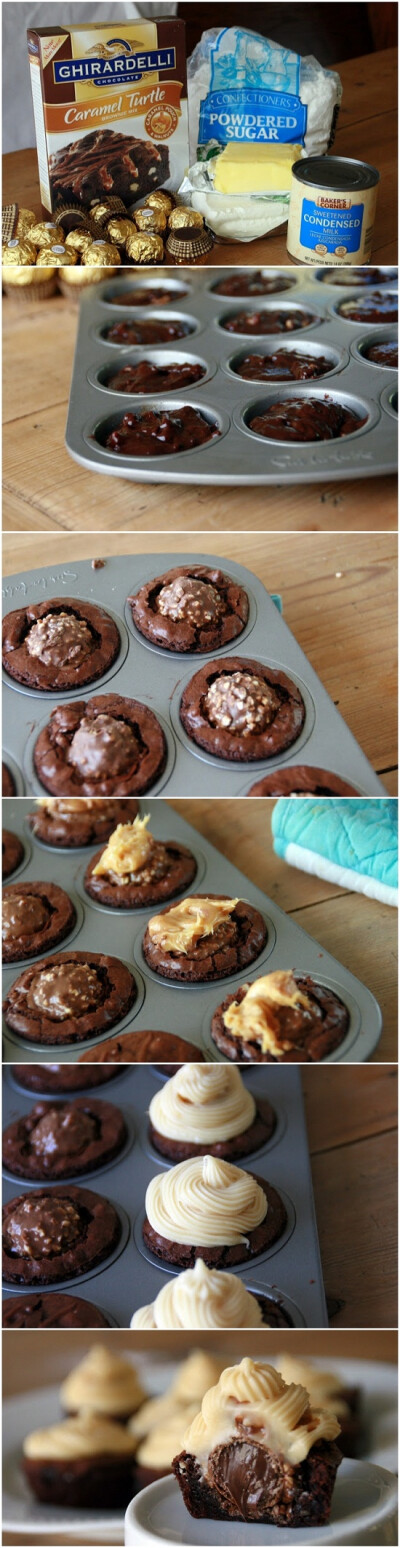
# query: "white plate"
31, 1410
364, 1498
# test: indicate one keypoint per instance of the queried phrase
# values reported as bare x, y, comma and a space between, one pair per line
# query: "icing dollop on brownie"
251, 1401
201, 1298
203, 1103
205, 1201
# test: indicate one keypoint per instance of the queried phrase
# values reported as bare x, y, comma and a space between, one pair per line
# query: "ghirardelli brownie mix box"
110, 108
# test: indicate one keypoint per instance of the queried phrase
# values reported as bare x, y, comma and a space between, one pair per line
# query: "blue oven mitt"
350, 842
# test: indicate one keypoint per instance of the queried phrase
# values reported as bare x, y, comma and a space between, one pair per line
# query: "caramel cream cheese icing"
103, 1383
189, 922
165, 1440
66, 804
129, 849
325, 1388
251, 1400
256, 1019
86, 1435
205, 1201
201, 1298
195, 1375
201, 1104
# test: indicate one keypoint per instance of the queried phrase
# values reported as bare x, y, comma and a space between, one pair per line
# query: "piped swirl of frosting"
86, 1435
203, 1103
252, 1402
325, 1388
164, 1442
256, 1017
201, 1298
129, 849
205, 1201
103, 1383
180, 928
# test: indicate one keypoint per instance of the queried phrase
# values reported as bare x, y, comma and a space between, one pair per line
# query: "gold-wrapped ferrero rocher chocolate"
148, 219
184, 216
160, 200
78, 241
19, 251
145, 248
26, 219
101, 254
24, 278
57, 254
45, 233
119, 228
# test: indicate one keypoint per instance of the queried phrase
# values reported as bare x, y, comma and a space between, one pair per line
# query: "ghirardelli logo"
114, 63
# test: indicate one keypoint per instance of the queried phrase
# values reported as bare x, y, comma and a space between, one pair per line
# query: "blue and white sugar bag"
352, 843
243, 86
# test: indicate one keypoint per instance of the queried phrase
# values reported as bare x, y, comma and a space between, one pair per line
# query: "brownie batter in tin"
384, 354
355, 277
190, 608
306, 419
53, 1235
59, 643
268, 321
105, 746
69, 997
375, 306
142, 331
154, 433
258, 283
282, 366
148, 378
147, 295
35, 917
237, 708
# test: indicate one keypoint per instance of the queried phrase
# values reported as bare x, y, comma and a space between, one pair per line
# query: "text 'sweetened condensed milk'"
332, 210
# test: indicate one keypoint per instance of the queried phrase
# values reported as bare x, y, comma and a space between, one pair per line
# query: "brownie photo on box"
106, 162
257, 1452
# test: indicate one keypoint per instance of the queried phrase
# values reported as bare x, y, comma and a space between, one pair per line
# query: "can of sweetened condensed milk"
332, 210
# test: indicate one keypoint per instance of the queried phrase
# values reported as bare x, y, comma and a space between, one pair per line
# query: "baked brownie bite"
259, 1452
53, 1079
306, 419
237, 708
104, 1382
268, 321
7, 781
384, 354
282, 365
104, 159
12, 852
35, 916
327, 1390
302, 780
190, 608
78, 820
204, 937
262, 282
136, 870
145, 1048
145, 377
52, 1234
200, 1297
161, 432
59, 643
85, 1463
142, 330
69, 997
284, 1018
63, 1139
207, 1208
205, 1109
372, 307
52, 1310
104, 746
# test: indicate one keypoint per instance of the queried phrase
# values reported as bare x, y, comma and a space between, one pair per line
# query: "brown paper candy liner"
119, 229
29, 284
46, 233
9, 222
101, 211
148, 219
57, 255
71, 282
18, 251
161, 199
145, 248
189, 245
101, 254
184, 216
72, 217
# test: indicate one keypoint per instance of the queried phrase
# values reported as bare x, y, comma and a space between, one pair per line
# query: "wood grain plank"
359, 1244
346, 1103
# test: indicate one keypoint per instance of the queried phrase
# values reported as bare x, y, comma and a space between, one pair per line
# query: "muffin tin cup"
289, 1270
68, 940
25, 858
340, 1055
249, 1160
164, 356
76, 1179
185, 1009
136, 913
293, 280
389, 401
338, 360
359, 295
359, 347
74, 1280
102, 428
15, 771
101, 327
361, 407
229, 460
147, 281
97, 684
325, 739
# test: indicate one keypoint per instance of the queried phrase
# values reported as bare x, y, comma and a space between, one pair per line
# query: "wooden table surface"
367, 129
339, 599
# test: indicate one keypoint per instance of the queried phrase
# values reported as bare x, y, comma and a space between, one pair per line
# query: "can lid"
341, 174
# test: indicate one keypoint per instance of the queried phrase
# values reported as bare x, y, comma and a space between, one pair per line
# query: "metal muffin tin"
238, 456
289, 1270
157, 678
162, 1005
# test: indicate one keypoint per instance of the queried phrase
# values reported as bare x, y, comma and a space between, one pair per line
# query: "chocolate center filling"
62, 1132
104, 745
188, 598
68, 990
240, 703
23, 916
42, 1228
60, 638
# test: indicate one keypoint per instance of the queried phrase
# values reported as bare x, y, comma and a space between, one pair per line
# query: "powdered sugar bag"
243, 86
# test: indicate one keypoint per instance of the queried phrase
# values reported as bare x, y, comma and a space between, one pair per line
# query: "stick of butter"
254, 168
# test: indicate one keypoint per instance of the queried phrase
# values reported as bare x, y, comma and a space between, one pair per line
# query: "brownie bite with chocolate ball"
104, 1382
144, 331
306, 419
284, 1018
302, 780
145, 377
53, 1079
35, 916
59, 643
136, 870
84, 1463
52, 1310
7, 781
55, 1234
237, 708
283, 365
259, 1452
205, 1109
69, 997
259, 283
267, 321
372, 307
206, 1208
145, 1048
62, 1139
104, 746
12, 852
161, 433
76, 821
204, 937
190, 608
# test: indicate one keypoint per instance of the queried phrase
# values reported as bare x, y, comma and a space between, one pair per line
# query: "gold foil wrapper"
147, 248
119, 229
184, 216
26, 219
23, 278
160, 200
18, 251
78, 241
101, 254
148, 219
45, 234
58, 255
75, 280
100, 213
